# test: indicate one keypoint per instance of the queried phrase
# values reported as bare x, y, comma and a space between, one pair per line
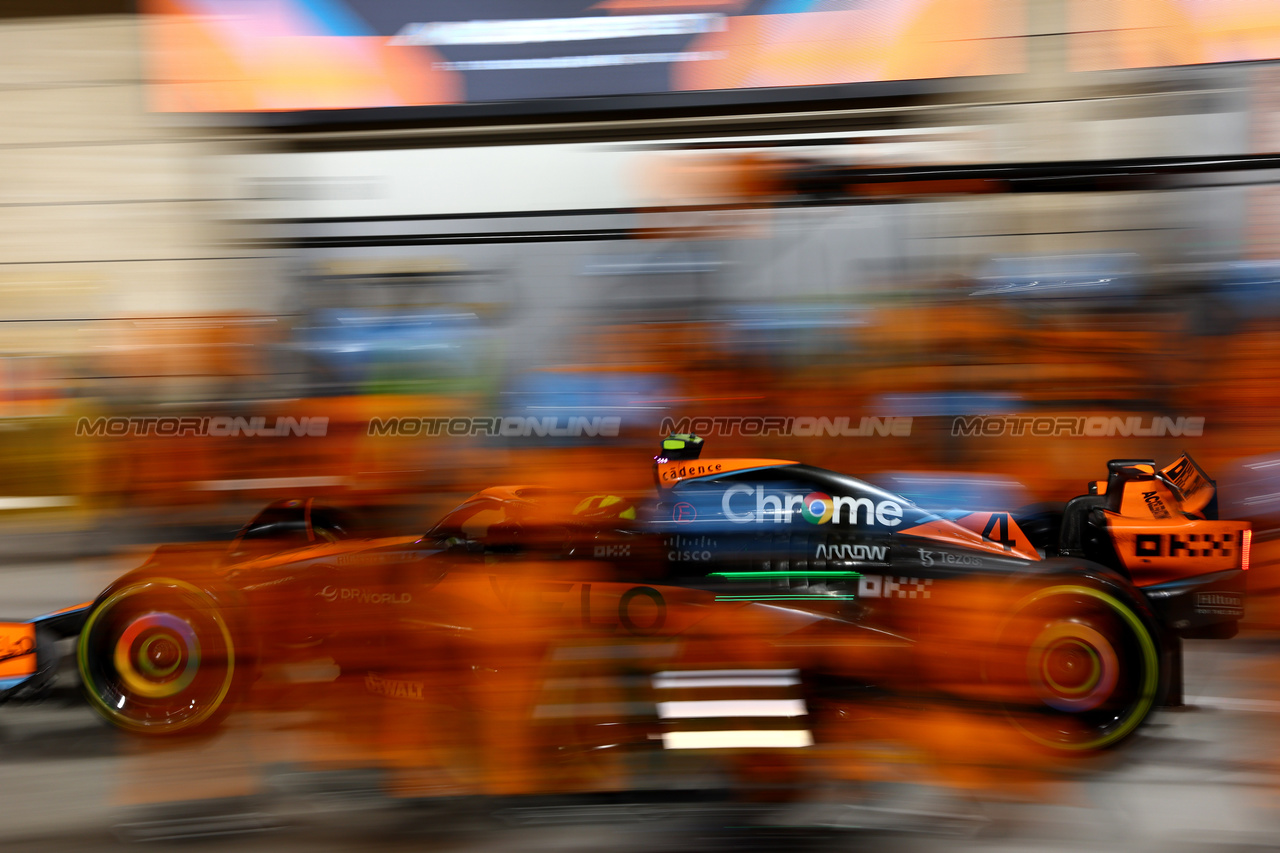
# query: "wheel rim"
1072, 667
157, 656
1091, 664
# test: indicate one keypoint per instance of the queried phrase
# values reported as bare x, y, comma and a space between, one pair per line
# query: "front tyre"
1079, 663
157, 656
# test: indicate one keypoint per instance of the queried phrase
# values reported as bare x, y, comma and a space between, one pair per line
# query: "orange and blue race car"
747, 604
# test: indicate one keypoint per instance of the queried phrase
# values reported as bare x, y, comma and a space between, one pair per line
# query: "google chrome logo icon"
818, 508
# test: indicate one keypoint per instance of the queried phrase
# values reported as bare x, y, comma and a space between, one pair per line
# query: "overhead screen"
288, 55
1106, 34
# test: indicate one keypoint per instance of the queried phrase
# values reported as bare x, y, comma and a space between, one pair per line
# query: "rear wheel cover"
1072, 667
1091, 663
157, 656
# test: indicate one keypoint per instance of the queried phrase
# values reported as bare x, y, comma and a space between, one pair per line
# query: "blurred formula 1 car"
739, 572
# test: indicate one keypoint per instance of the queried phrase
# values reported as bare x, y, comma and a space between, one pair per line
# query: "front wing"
28, 656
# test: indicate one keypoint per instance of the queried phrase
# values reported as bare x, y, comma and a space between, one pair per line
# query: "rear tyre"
158, 656
1079, 665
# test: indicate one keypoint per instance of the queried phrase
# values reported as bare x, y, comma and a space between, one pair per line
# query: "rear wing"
1191, 486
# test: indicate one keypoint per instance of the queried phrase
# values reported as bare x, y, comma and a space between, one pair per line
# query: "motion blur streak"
352, 354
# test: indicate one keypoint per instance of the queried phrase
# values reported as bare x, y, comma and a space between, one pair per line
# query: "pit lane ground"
1206, 777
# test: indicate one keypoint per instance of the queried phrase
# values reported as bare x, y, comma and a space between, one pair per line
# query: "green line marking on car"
786, 574
814, 597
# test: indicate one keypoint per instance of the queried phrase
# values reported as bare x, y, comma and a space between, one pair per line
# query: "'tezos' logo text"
815, 508
943, 558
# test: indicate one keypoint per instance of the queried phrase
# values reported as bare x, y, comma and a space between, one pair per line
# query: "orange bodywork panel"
545, 598
82, 606
1142, 499
962, 534
999, 528
1155, 551
17, 649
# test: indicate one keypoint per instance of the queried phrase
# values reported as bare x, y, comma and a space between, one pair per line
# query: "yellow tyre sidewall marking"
1150, 657
83, 652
